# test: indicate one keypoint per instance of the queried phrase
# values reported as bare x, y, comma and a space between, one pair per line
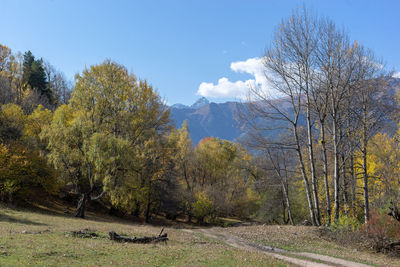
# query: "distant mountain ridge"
201, 102
222, 120
207, 119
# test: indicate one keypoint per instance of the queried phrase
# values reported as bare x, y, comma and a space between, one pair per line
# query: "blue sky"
184, 48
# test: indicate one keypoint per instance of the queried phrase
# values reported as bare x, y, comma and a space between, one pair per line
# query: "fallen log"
85, 233
142, 240
393, 247
394, 244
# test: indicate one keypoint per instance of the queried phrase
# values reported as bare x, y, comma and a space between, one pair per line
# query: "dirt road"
296, 258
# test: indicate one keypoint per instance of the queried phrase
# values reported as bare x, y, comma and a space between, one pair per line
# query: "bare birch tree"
289, 69
373, 105
316, 75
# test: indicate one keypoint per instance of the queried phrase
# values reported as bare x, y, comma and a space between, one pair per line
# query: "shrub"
21, 170
347, 223
246, 205
382, 230
345, 231
203, 208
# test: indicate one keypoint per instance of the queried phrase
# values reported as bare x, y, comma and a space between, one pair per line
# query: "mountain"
207, 119
201, 102
179, 106
222, 120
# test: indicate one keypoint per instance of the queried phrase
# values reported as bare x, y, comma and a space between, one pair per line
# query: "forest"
333, 158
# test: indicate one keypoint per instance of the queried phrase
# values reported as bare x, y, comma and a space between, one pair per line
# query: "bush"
21, 170
347, 223
247, 205
382, 230
345, 232
203, 208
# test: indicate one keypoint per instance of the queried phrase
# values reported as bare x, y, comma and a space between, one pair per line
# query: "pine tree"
34, 75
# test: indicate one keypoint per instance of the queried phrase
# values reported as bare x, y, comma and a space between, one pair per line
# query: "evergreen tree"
34, 75
27, 67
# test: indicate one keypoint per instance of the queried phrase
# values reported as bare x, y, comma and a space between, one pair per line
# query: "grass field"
40, 239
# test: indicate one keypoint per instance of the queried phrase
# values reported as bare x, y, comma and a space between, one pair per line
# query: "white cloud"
239, 89
224, 89
396, 75
252, 66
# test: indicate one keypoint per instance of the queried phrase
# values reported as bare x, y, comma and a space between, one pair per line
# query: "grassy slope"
53, 248
307, 239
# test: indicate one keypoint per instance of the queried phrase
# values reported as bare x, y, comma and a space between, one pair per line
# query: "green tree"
12, 120
94, 138
34, 75
223, 173
21, 165
184, 159
35, 123
22, 169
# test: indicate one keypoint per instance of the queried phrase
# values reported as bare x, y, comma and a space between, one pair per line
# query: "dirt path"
298, 258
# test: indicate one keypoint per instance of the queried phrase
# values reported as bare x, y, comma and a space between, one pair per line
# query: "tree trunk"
147, 220
285, 189
365, 181
287, 202
186, 178
312, 165
345, 182
326, 181
80, 210
304, 175
284, 211
336, 183
136, 211
364, 165
10, 198
353, 184
336, 175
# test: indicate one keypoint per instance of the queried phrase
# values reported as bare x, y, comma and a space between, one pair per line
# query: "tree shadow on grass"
7, 218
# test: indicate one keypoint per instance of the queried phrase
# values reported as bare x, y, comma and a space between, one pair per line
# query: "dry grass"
308, 239
22, 245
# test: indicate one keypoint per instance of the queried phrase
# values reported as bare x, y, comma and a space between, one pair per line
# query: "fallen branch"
394, 244
85, 233
386, 247
142, 240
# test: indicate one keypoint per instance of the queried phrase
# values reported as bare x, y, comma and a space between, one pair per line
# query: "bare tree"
374, 106
337, 68
5, 54
59, 86
319, 105
279, 162
317, 76
276, 160
354, 79
289, 68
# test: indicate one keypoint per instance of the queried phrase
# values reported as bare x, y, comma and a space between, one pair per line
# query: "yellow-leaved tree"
94, 140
